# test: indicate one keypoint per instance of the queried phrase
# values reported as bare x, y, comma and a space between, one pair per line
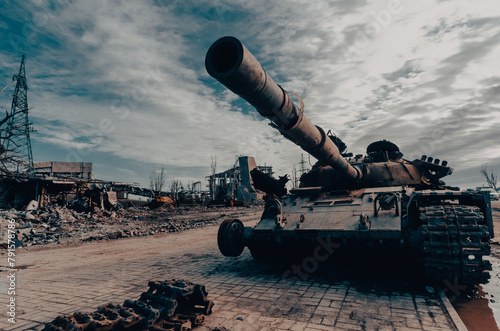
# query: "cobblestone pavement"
248, 295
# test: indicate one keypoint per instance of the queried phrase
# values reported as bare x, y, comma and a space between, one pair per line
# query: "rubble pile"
57, 225
165, 203
172, 305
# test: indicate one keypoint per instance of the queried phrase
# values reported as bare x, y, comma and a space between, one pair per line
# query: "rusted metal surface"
235, 67
172, 305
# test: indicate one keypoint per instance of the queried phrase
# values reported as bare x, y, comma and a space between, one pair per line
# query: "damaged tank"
377, 199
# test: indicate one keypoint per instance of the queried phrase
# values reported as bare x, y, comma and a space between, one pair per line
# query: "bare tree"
4, 135
294, 177
157, 180
213, 170
6, 118
490, 177
190, 186
5, 158
175, 188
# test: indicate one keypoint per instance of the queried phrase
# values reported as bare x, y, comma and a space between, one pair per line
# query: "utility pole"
17, 142
301, 171
302, 164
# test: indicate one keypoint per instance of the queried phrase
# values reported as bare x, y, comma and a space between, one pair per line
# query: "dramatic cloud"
122, 84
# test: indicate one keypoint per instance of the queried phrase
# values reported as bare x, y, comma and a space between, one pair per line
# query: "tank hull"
448, 231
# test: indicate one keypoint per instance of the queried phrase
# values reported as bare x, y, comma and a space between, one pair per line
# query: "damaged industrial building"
235, 185
58, 183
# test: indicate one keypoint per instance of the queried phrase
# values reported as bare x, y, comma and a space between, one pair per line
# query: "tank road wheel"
455, 241
229, 237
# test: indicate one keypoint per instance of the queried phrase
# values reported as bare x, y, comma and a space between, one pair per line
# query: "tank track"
455, 241
172, 305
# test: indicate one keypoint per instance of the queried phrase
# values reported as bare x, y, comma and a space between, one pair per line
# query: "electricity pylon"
16, 143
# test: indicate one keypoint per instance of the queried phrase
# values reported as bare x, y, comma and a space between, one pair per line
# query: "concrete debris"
170, 305
32, 205
61, 225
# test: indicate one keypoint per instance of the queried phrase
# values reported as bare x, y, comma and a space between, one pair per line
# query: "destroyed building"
82, 170
236, 183
68, 184
18, 191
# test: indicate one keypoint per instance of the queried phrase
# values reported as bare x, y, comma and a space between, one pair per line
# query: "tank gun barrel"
230, 62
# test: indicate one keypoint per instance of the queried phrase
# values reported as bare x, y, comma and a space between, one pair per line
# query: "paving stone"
330, 320
66, 280
313, 326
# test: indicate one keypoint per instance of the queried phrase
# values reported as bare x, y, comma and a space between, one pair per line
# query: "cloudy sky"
122, 84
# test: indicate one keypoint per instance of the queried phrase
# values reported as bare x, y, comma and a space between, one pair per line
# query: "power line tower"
302, 164
301, 171
16, 142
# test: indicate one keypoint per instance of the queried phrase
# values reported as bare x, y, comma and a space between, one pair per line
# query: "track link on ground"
172, 305
455, 241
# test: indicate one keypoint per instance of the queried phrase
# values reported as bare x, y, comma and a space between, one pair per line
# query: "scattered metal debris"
172, 305
165, 203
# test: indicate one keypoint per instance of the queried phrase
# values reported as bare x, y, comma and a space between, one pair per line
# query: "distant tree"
190, 186
294, 177
6, 118
157, 180
213, 171
490, 177
5, 158
175, 188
